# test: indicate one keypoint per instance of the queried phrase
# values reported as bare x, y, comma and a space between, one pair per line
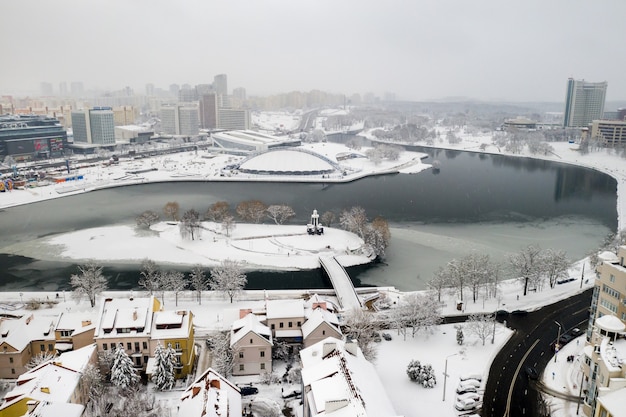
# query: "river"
490, 203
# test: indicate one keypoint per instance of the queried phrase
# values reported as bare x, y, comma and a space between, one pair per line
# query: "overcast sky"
418, 49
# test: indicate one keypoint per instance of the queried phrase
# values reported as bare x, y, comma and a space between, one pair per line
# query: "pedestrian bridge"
346, 294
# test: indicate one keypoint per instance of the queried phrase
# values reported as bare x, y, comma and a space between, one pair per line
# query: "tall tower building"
208, 111
94, 126
584, 102
220, 84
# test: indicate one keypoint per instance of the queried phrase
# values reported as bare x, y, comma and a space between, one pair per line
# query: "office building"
208, 111
220, 84
233, 119
610, 133
239, 93
180, 119
584, 102
94, 126
125, 115
27, 137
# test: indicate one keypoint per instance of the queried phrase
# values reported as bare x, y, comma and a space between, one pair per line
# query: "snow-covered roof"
132, 316
610, 323
77, 359
250, 323
608, 256
48, 382
317, 317
288, 160
18, 333
171, 324
613, 402
278, 309
342, 381
48, 409
78, 322
211, 395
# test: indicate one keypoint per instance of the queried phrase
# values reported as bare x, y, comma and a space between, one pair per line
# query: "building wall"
322, 331
609, 133
584, 102
13, 363
102, 127
285, 323
81, 127
252, 355
233, 119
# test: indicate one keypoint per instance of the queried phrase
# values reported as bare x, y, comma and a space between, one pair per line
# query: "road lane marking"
508, 400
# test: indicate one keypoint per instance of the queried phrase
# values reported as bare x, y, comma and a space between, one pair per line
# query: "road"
509, 392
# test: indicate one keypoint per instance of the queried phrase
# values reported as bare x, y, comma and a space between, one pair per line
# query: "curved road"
509, 392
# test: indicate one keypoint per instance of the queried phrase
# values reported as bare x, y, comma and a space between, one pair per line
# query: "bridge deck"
346, 294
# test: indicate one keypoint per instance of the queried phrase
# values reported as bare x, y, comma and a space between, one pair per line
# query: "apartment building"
211, 395
251, 342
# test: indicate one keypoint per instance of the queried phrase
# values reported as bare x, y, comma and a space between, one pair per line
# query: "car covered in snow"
469, 396
466, 405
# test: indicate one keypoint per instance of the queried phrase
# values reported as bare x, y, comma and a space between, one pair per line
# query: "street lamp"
445, 375
556, 344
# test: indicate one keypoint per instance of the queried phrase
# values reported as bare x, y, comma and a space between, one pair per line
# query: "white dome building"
288, 161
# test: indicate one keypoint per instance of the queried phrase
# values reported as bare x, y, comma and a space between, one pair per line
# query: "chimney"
351, 347
328, 348
29, 319
134, 314
86, 323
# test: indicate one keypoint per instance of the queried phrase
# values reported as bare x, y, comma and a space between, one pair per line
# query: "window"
113, 346
240, 355
251, 341
241, 366
145, 345
136, 346
262, 353
262, 366
42, 347
177, 345
612, 278
281, 325
299, 324
145, 359
138, 361
13, 371
105, 346
10, 360
290, 324
50, 347
323, 332
273, 326
129, 346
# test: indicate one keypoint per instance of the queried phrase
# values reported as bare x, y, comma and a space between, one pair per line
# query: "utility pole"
445, 375
556, 345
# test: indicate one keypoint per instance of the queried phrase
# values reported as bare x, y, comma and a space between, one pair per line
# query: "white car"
477, 377
468, 396
466, 405
469, 385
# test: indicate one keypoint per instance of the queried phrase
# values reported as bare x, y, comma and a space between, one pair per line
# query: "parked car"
565, 339
387, 336
532, 373
502, 313
477, 377
248, 390
576, 332
466, 405
468, 396
519, 312
469, 385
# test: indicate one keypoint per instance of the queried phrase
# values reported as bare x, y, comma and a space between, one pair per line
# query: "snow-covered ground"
257, 246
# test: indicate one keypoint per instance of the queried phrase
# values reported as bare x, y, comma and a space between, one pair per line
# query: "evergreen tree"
414, 370
460, 337
164, 361
123, 373
427, 377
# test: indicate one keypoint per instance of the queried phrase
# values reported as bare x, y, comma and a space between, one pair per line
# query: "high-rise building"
179, 119
150, 90
174, 89
94, 126
125, 115
239, 93
233, 119
584, 102
220, 84
208, 111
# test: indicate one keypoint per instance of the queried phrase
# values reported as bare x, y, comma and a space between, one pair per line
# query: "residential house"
174, 328
285, 318
57, 381
21, 339
211, 395
73, 331
252, 344
338, 381
319, 325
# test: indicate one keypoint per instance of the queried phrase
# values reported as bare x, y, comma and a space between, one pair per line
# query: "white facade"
180, 119
584, 102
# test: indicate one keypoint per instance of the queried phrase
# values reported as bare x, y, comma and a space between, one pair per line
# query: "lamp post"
445, 375
556, 344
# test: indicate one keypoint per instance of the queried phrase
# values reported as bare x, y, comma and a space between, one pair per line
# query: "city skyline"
483, 50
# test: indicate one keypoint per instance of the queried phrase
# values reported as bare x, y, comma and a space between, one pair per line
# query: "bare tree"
90, 282
418, 312
555, 265
362, 326
354, 220
223, 354
439, 282
328, 218
228, 278
39, 359
173, 281
149, 278
477, 268
147, 218
527, 264
217, 211
280, 213
480, 325
190, 224
198, 281
171, 210
252, 210
378, 236
228, 224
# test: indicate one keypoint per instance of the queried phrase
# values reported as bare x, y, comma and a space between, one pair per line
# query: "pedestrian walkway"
344, 289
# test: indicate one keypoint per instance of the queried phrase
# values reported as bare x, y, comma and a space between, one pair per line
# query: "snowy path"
346, 294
